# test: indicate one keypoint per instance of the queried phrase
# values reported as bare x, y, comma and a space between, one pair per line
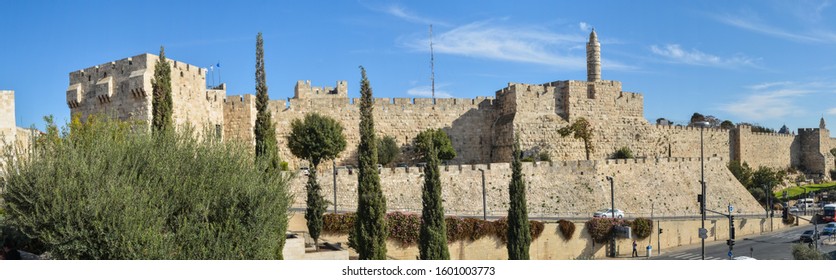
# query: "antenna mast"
432, 63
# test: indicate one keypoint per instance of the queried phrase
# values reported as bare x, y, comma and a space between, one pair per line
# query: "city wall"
551, 245
666, 186
123, 88
765, 149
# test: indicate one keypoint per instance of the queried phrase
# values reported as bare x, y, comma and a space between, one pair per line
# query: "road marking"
677, 255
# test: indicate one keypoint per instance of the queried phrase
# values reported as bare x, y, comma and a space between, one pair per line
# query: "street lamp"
702, 126
612, 196
334, 167
484, 195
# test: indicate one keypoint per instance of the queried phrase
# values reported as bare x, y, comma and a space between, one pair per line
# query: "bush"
642, 228
567, 228
106, 190
405, 228
804, 252
601, 229
789, 220
544, 156
623, 153
387, 150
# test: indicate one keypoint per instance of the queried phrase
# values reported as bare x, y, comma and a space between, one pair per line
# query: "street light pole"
702, 185
484, 195
334, 167
612, 196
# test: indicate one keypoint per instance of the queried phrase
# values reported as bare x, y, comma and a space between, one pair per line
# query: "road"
771, 246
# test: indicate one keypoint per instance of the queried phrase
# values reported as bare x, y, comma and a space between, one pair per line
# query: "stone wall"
813, 153
239, 118
464, 120
123, 89
764, 149
551, 245
8, 127
562, 189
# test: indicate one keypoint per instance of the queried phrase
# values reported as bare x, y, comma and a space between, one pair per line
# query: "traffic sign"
703, 233
731, 209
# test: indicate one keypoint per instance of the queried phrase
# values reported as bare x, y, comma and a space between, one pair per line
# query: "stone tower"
8, 128
593, 58
821, 123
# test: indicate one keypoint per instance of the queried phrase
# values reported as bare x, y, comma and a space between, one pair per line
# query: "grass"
798, 191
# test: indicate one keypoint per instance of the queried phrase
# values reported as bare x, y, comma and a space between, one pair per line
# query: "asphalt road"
771, 246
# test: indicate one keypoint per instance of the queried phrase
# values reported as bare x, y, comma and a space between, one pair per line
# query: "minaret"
821, 123
593, 58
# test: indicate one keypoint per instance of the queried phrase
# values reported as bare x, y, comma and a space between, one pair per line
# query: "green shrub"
107, 190
567, 228
601, 229
404, 228
623, 153
283, 166
804, 252
642, 228
544, 156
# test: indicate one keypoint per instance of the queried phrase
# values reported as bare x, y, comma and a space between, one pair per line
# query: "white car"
608, 213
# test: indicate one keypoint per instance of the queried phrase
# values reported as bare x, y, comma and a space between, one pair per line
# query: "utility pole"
334, 166
612, 210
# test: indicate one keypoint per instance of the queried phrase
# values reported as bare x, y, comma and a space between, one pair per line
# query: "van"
805, 203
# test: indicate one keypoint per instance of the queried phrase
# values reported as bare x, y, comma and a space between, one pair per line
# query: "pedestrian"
635, 253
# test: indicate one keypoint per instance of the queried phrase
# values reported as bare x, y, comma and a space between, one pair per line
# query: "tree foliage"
696, 118
804, 252
833, 152
432, 242
580, 129
742, 172
161, 103
316, 138
102, 190
519, 232
315, 206
264, 130
756, 181
369, 235
727, 124
387, 150
623, 153
440, 140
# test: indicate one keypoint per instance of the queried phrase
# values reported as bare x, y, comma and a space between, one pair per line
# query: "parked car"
808, 236
793, 209
828, 231
608, 213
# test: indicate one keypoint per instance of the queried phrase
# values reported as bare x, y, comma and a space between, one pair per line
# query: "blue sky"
766, 62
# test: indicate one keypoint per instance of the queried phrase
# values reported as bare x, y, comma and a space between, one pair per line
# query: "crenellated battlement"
691, 128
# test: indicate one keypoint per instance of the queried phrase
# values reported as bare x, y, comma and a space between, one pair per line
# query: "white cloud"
585, 27
776, 100
526, 44
402, 13
426, 91
832, 111
675, 53
808, 35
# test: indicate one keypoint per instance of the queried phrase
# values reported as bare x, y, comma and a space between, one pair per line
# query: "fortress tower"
593, 58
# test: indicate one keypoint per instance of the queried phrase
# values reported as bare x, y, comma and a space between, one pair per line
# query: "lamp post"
484, 195
702, 183
612, 210
612, 196
334, 167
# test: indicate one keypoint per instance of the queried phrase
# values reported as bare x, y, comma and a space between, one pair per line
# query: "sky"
766, 62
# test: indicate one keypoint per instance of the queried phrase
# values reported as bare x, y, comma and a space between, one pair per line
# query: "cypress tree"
161, 98
316, 207
519, 230
370, 232
432, 240
265, 133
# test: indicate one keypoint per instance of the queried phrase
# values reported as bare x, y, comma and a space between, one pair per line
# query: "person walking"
635, 252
